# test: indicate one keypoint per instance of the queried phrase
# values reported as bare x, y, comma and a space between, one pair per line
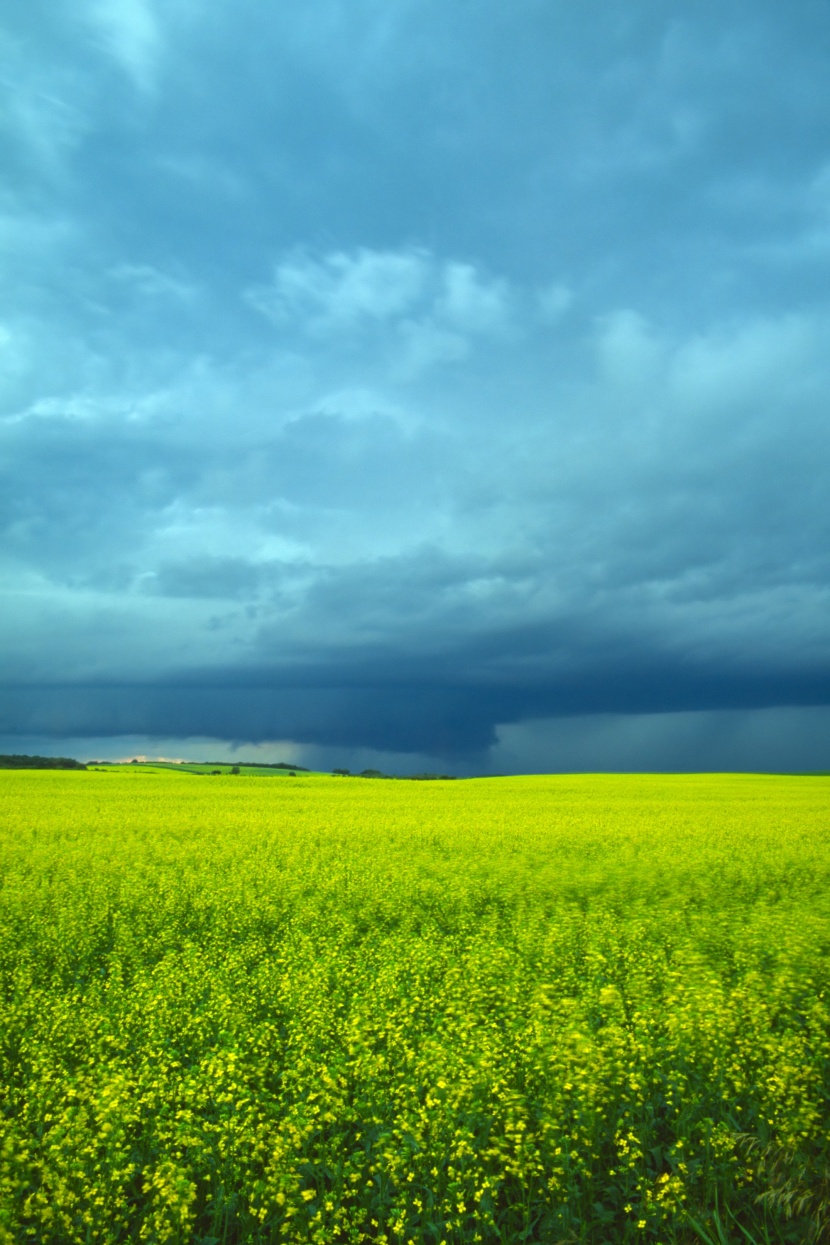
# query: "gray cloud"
773, 740
384, 377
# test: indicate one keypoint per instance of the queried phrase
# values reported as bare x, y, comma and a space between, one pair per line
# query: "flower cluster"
531, 1009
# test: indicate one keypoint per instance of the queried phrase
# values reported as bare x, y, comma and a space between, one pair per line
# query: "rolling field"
590, 1009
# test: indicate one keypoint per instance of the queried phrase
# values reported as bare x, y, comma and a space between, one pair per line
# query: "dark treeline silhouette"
376, 773
26, 762
256, 765
431, 777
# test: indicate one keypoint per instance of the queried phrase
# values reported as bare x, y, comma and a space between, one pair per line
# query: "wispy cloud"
427, 310
129, 30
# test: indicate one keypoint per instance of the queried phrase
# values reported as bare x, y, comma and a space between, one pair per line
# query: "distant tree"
291, 774
16, 761
234, 769
344, 773
431, 777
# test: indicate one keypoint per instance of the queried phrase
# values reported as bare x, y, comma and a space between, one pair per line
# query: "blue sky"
416, 384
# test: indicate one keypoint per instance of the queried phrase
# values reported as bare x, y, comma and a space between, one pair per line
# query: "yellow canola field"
580, 1008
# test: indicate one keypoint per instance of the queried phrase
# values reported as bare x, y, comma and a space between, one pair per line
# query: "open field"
521, 1009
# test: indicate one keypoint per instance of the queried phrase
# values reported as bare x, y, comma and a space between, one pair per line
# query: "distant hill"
26, 762
301, 769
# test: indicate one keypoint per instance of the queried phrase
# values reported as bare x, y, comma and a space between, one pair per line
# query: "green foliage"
34, 762
585, 1009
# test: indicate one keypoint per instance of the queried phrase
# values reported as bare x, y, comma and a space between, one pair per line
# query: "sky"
416, 385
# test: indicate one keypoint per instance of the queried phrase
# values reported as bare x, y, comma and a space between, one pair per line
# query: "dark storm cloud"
394, 710
377, 375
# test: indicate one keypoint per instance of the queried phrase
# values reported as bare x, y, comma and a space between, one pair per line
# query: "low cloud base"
791, 739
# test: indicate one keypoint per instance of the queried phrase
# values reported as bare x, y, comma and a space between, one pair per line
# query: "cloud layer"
378, 377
